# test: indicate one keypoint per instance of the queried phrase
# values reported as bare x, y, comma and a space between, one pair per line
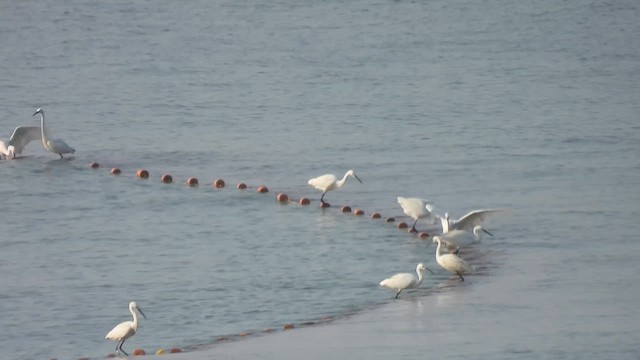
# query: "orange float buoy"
142, 173
423, 234
192, 181
262, 189
325, 205
282, 197
115, 171
346, 209
138, 352
94, 165
218, 183
241, 186
175, 350
376, 215
304, 201
390, 219
402, 225
358, 212
288, 326
166, 178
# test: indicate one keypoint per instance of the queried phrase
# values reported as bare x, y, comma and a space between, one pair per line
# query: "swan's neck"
438, 249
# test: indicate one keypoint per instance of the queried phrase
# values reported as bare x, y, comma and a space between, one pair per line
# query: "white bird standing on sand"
469, 221
461, 238
56, 146
21, 136
403, 281
451, 262
330, 182
125, 329
417, 209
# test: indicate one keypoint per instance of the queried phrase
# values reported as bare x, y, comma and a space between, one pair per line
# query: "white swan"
56, 146
21, 136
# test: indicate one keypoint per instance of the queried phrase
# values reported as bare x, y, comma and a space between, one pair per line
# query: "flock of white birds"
23, 135
456, 234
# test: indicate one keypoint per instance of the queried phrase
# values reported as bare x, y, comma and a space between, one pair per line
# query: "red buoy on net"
166, 178
219, 183
241, 186
192, 181
358, 212
94, 165
282, 197
376, 215
304, 201
262, 189
346, 209
115, 171
142, 173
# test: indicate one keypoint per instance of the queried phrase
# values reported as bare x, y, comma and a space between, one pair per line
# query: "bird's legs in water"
413, 227
119, 347
398, 293
61, 156
322, 198
461, 278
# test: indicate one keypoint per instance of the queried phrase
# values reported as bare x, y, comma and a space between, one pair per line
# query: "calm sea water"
527, 106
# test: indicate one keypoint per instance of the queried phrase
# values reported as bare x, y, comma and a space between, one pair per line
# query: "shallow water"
528, 107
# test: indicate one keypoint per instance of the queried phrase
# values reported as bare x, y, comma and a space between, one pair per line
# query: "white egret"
56, 146
469, 221
403, 281
21, 136
451, 262
125, 329
462, 238
417, 209
330, 182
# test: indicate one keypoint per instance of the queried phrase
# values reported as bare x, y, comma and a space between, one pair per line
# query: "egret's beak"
357, 178
487, 232
429, 270
141, 313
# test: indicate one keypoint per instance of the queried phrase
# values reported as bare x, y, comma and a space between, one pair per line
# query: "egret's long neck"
420, 276
438, 248
445, 224
135, 320
477, 234
341, 182
44, 134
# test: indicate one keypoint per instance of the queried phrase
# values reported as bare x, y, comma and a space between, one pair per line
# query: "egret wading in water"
56, 146
330, 182
469, 221
417, 209
403, 281
125, 329
462, 238
451, 262
21, 136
